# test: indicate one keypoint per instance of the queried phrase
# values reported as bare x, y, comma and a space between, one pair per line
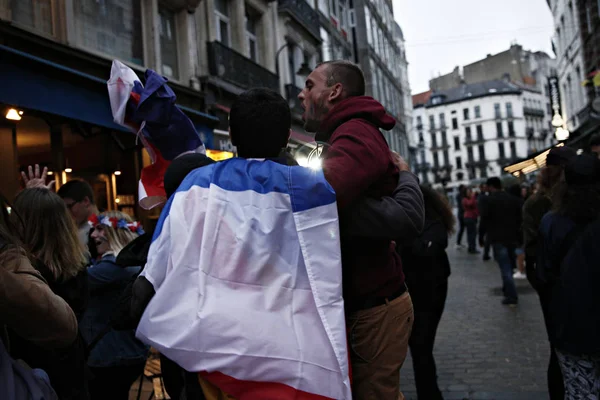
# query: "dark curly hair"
437, 207
578, 202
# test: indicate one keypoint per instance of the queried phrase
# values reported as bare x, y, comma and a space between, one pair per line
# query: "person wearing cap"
534, 210
568, 271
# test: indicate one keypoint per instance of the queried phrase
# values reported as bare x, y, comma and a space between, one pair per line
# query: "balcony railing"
534, 112
304, 14
423, 167
529, 132
291, 93
238, 69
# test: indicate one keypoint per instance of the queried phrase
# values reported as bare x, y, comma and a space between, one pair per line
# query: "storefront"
58, 116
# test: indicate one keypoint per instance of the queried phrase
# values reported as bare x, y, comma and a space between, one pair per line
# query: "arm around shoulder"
399, 217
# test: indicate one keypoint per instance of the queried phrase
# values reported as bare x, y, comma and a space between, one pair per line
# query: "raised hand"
35, 179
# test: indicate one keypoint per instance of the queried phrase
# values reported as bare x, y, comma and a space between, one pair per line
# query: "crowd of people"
73, 287
544, 234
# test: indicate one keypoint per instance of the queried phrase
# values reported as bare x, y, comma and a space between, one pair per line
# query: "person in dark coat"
534, 209
427, 269
48, 232
502, 217
460, 214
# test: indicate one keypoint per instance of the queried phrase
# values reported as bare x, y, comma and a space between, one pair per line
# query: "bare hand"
36, 180
400, 162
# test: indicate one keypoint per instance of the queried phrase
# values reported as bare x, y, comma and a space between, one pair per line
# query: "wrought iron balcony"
534, 112
529, 132
422, 167
304, 14
238, 69
291, 93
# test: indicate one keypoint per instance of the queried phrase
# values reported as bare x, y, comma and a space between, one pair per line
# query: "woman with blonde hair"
48, 233
116, 358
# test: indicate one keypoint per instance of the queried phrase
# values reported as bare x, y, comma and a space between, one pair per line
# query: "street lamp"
304, 69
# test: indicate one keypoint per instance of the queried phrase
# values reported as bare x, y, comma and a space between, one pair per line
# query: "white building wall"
489, 164
571, 70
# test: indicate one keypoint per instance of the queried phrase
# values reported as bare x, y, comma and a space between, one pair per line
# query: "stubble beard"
314, 116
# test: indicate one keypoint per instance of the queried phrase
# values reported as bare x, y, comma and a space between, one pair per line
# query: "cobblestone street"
485, 350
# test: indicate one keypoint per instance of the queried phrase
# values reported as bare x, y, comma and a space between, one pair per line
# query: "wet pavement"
485, 350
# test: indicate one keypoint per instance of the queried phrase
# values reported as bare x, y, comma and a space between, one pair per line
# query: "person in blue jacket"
116, 358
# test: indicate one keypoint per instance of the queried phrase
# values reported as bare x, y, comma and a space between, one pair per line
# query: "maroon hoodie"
358, 163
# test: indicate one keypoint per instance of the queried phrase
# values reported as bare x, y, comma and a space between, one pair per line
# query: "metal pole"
277, 57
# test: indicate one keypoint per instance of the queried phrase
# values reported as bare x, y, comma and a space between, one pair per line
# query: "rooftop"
471, 91
420, 99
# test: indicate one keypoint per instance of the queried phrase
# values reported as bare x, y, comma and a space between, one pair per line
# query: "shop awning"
35, 83
530, 164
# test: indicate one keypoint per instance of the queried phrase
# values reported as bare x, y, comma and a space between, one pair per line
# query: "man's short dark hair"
260, 121
77, 190
348, 74
494, 182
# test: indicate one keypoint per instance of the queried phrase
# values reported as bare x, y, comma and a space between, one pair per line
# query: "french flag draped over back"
246, 265
164, 129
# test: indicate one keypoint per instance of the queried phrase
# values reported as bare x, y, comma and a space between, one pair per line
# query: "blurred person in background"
483, 240
116, 358
427, 269
471, 213
568, 270
534, 210
77, 195
79, 198
502, 218
48, 233
517, 191
460, 214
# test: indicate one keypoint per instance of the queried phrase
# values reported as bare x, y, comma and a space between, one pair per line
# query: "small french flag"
150, 112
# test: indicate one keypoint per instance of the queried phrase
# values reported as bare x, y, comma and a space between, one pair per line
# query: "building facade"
469, 133
380, 51
57, 56
60, 52
568, 46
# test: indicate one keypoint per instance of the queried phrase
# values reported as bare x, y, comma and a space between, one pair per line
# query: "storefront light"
117, 172
315, 163
68, 170
14, 115
218, 155
302, 161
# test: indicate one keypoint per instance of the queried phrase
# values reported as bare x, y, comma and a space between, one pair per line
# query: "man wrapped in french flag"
246, 265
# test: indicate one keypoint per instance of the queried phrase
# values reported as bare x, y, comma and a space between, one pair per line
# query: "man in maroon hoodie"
357, 163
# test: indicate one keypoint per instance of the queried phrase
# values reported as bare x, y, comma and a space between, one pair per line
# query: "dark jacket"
358, 163
534, 209
116, 348
501, 215
426, 263
66, 367
568, 264
399, 217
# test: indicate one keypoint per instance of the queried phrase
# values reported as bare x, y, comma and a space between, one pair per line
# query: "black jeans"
422, 339
461, 229
114, 382
471, 224
556, 387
